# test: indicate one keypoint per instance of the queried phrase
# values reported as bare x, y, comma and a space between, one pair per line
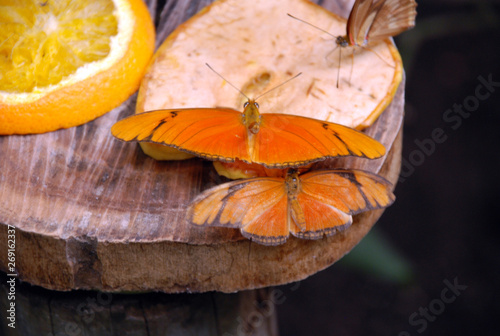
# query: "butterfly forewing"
375, 190
216, 134
291, 141
256, 206
360, 21
141, 126
350, 191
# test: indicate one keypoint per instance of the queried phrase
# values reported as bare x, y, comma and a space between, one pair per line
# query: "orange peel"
95, 87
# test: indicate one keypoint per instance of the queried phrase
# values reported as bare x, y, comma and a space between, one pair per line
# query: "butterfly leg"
338, 70
352, 66
380, 57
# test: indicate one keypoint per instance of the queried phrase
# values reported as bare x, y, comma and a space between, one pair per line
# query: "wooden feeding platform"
94, 213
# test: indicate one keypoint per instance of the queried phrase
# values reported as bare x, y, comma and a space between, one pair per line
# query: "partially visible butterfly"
309, 206
273, 140
375, 20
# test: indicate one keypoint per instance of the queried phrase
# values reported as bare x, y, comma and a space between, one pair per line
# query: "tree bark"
43, 312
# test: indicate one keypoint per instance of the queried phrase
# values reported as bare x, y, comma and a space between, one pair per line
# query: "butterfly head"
292, 182
342, 41
251, 116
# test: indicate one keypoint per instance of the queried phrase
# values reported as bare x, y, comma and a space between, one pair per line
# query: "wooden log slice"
92, 214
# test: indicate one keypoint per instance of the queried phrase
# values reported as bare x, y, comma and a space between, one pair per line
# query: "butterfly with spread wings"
309, 206
273, 140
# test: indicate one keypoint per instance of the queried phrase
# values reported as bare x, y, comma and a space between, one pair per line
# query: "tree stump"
90, 214
44, 312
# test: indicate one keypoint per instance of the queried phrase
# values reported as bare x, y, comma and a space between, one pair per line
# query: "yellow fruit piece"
63, 63
240, 170
161, 153
257, 46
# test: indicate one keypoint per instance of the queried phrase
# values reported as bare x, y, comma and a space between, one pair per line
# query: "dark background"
443, 227
444, 224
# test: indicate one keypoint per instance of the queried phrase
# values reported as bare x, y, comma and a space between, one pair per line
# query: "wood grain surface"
91, 213
42, 312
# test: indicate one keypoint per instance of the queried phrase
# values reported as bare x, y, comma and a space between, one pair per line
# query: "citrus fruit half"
63, 63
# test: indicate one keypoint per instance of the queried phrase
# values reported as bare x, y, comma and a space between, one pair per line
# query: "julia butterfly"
273, 140
309, 206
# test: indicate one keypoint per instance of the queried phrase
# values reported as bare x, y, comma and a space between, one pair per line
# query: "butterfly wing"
360, 20
214, 134
373, 20
329, 198
393, 18
292, 141
257, 206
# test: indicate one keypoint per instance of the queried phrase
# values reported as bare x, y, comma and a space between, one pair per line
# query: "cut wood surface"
91, 213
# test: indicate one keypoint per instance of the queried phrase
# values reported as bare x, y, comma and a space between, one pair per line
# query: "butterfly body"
293, 188
273, 140
251, 120
251, 117
309, 206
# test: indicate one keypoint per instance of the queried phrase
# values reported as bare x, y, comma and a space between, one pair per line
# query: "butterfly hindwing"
393, 18
270, 226
321, 219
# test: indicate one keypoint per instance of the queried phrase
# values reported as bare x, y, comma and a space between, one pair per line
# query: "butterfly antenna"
310, 24
218, 74
274, 88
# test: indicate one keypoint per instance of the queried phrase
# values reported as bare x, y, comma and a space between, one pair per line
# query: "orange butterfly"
310, 206
273, 140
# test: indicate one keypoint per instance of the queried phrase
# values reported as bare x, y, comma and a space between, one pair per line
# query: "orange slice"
65, 63
257, 47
